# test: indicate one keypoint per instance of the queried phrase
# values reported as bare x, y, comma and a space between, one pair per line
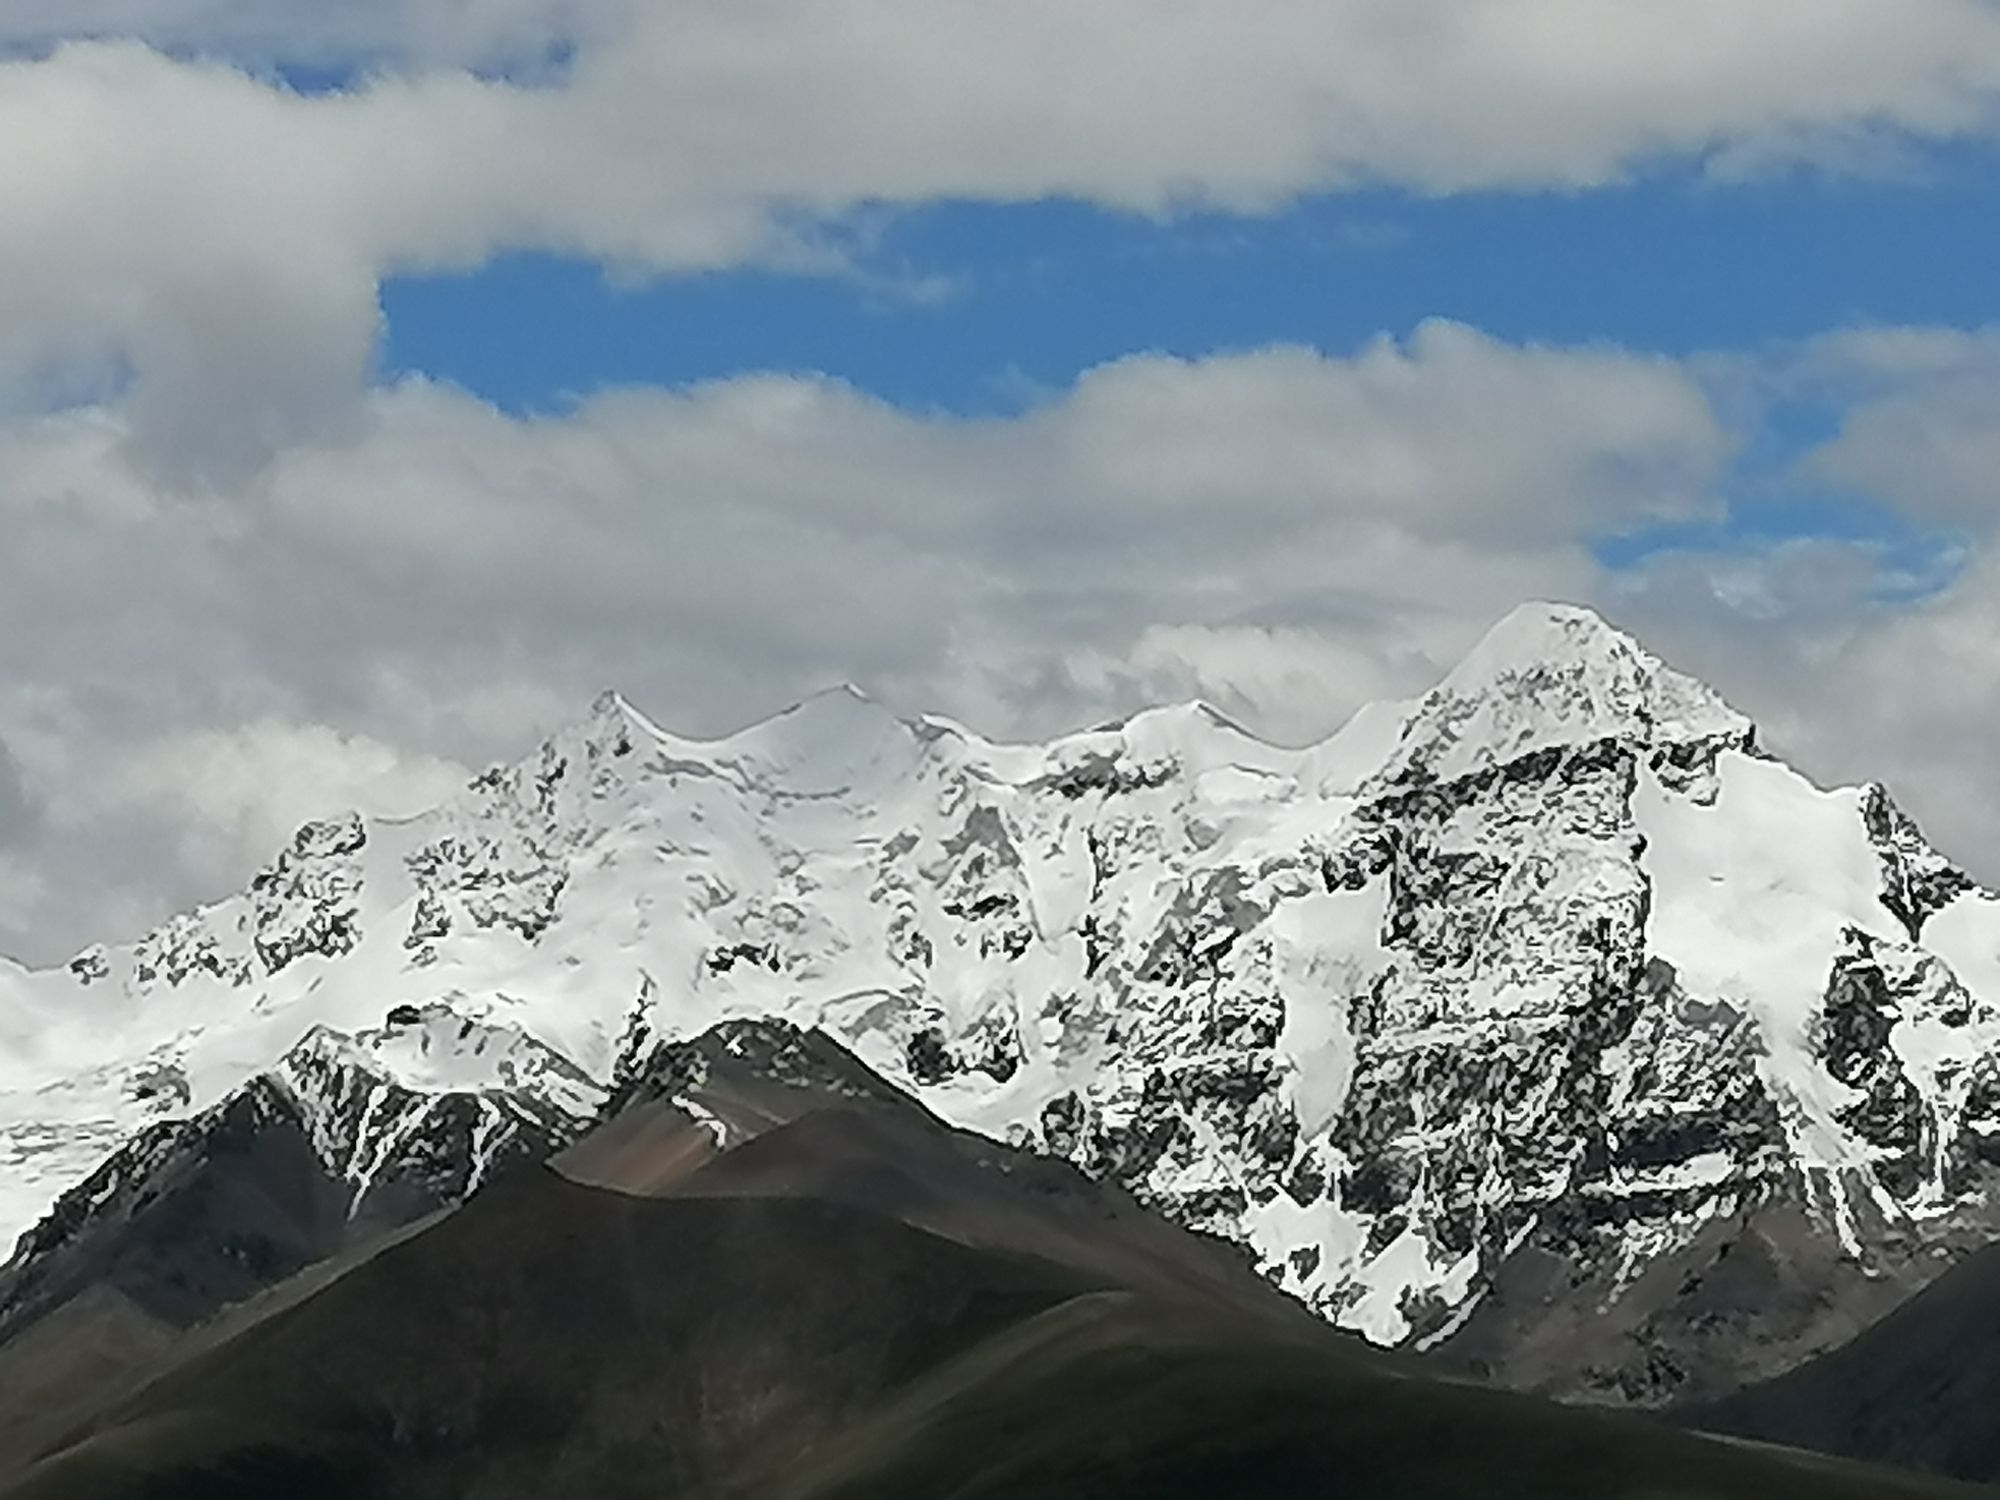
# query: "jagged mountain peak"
829, 741
838, 740
614, 717
1551, 675
432, 1050
1552, 629
1193, 719
809, 745
1546, 642
610, 726
1547, 673
825, 709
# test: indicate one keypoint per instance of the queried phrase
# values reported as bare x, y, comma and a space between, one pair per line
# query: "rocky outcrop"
341, 1141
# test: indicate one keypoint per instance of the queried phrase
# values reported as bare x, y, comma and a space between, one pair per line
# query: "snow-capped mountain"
345, 1137
1512, 997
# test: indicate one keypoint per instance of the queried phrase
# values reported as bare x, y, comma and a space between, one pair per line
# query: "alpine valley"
1544, 1025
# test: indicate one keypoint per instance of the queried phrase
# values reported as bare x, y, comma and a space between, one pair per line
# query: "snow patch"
1751, 898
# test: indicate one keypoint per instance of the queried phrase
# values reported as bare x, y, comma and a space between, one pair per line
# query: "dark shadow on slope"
182, 1236
1921, 1387
1112, 1397
801, 1117
551, 1339
186, 1217
988, 1196
1748, 1296
58, 1368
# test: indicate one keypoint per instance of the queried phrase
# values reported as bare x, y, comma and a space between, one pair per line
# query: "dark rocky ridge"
857, 1301
322, 1156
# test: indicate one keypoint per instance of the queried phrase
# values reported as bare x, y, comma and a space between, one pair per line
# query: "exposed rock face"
422, 1111
178, 1250
1917, 881
770, 1059
1544, 1002
345, 1137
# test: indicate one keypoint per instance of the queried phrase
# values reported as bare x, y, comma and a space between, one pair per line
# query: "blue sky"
973, 307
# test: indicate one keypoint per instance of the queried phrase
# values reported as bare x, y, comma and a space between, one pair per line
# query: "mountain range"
1544, 1027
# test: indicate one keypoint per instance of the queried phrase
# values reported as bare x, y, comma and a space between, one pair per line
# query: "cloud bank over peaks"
186, 673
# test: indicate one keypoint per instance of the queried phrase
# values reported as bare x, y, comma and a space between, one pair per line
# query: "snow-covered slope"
1551, 958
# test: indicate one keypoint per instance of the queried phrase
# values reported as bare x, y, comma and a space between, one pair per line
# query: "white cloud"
1929, 441
221, 238
19, 813
232, 797
228, 542
1293, 682
1442, 434
125, 824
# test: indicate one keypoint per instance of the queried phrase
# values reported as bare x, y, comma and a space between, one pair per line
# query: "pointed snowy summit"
837, 741
1551, 674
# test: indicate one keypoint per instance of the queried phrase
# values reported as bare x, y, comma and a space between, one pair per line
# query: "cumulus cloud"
231, 797
120, 826
201, 232
1929, 441
18, 813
